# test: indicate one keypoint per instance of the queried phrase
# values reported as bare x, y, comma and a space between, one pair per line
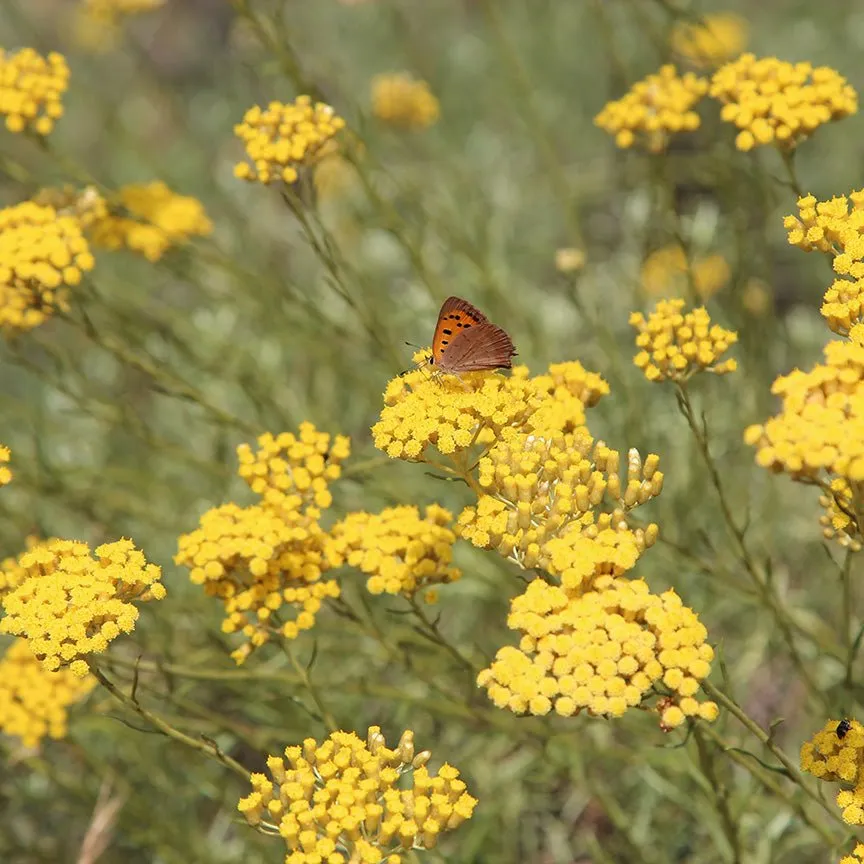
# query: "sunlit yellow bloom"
653, 109
674, 344
281, 138
73, 603
774, 102
712, 41
5, 471
603, 652
345, 799
856, 856
34, 703
266, 562
403, 101
149, 219
834, 757
12, 574
31, 89
41, 254
665, 273
400, 551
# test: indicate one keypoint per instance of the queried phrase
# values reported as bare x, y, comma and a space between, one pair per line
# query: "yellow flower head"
541, 487
856, 857
149, 219
12, 574
266, 562
839, 521
35, 703
653, 109
281, 138
41, 253
343, 799
836, 754
5, 472
73, 603
602, 652
714, 40
400, 551
31, 89
774, 102
665, 272
674, 344
403, 101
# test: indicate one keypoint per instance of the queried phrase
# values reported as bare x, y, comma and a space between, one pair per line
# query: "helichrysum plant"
401, 100
31, 89
654, 109
838, 757
346, 799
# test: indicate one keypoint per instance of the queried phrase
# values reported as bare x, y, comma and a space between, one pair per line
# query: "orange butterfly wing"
455, 316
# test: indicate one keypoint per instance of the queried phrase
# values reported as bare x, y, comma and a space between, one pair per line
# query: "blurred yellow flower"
281, 138
602, 652
674, 344
72, 604
346, 799
148, 218
400, 551
569, 260
268, 559
401, 100
5, 471
31, 89
98, 21
34, 703
712, 41
665, 273
41, 253
774, 102
756, 297
838, 758
653, 109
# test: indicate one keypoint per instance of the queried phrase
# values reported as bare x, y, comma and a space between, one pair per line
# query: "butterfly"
466, 341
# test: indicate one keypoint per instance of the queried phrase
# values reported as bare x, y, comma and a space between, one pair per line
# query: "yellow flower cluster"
400, 551
281, 138
149, 219
31, 89
836, 754
403, 101
714, 40
536, 489
12, 574
41, 253
602, 652
653, 109
5, 471
34, 703
674, 344
666, 272
346, 800
774, 102
857, 856
840, 521
560, 397
72, 604
268, 559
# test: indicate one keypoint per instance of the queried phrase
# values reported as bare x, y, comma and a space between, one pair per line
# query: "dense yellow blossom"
712, 41
539, 488
281, 138
674, 344
560, 397
403, 101
653, 109
856, 857
149, 219
400, 551
603, 652
31, 89
834, 755
665, 273
5, 471
345, 799
41, 253
34, 703
73, 603
774, 102
268, 560
12, 574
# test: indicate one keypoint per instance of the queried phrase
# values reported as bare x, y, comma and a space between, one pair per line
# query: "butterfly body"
466, 341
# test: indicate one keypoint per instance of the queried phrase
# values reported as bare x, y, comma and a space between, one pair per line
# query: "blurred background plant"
169, 313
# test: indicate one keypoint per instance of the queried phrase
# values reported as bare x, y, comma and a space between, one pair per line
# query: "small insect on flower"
466, 341
843, 727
